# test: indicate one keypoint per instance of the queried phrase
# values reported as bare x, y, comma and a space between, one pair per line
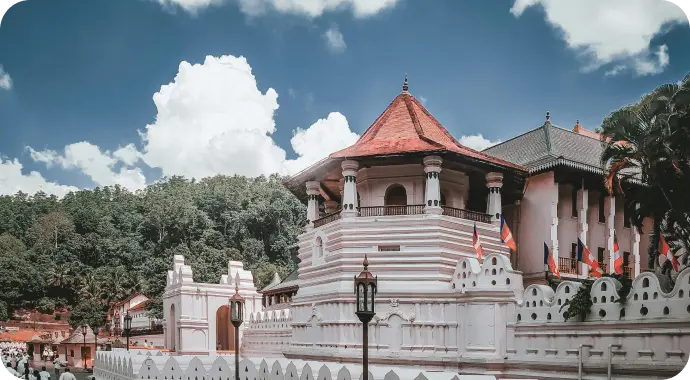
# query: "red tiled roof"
140, 305
407, 127
585, 132
17, 336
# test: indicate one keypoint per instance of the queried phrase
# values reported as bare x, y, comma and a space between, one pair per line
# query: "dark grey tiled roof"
289, 281
548, 146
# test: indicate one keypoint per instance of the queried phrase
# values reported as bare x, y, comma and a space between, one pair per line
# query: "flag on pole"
549, 260
507, 236
585, 256
617, 257
665, 250
476, 243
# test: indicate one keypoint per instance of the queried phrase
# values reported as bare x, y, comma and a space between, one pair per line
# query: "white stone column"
583, 227
635, 250
553, 211
432, 193
331, 207
494, 181
313, 191
610, 212
349, 188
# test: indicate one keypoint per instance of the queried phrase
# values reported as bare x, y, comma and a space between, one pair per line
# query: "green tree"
646, 157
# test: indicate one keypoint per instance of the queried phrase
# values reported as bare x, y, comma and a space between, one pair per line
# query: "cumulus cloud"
5, 80
334, 40
612, 32
309, 8
12, 180
477, 142
98, 165
211, 119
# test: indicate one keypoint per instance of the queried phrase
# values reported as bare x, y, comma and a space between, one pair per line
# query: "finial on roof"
366, 262
548, 117
405, 85
578, 122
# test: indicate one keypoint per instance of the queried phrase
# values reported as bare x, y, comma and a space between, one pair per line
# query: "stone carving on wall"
315, 313
394, 309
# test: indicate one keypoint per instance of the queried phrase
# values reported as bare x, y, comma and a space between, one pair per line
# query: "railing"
327, 219
628, 272
391, 210
568, 265
466, 214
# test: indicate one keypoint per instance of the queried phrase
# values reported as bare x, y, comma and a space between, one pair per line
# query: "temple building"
418, 204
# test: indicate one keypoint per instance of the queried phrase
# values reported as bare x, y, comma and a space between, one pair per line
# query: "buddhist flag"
585, 256
549, 260
665, 250
507, 236
617, 258
476, 243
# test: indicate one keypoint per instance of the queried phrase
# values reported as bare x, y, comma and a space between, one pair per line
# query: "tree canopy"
647, 157
94, 247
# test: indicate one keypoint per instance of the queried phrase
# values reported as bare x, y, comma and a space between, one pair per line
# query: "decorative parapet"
494, 273
121, 365
647, 300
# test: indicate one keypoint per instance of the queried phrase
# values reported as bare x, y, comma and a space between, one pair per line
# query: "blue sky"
79, 76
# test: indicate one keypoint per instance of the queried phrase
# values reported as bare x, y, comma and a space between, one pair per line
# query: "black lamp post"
95, 341
236, 314
365, 289
128, 326
83, 353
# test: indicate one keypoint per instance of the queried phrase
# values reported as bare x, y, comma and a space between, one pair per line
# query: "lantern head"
365, 289
236, 307
128, 322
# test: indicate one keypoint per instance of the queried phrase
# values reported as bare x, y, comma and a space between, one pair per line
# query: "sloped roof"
407, 127
549, 145
288, 282
17, 336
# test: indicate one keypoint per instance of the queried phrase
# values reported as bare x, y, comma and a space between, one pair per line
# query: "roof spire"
577, 123
548, 117
405, 85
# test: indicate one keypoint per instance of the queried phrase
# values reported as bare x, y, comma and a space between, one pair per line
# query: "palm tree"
646, 157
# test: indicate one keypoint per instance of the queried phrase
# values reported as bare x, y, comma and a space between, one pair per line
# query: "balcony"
327, 219
406, 210
568, 265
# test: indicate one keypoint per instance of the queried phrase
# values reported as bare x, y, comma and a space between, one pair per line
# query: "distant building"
136, 304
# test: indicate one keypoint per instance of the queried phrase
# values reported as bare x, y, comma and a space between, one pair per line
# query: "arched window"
396, 200
319, 247
443, 200
396, 196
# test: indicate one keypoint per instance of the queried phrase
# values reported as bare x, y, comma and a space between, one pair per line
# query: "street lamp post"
236, 314
95, 342
128, 326
83, 333
365, 289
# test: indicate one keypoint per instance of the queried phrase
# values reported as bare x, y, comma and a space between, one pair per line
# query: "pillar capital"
350, 166
494, 180
313, 188
432, 164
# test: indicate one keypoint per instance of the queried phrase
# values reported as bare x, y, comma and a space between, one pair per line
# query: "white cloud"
212, 119
98, 165
477, 142
613, 31
334, 40
5, 80
12, 181
319, 140
309, 8
423, 100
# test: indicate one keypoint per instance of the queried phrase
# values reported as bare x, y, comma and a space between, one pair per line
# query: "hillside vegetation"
95, 247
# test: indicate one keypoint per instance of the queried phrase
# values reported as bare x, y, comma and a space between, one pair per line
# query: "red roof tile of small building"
140, 305
407, 127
